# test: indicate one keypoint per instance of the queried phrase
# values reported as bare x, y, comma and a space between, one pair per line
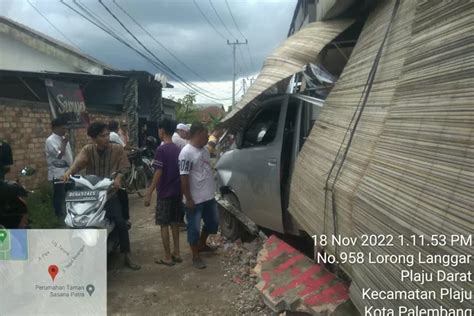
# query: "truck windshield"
263, 129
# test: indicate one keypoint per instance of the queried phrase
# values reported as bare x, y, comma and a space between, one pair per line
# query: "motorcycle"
85, 206
13, 206
148, 154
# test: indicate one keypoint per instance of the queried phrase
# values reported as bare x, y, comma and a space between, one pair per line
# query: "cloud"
178, 25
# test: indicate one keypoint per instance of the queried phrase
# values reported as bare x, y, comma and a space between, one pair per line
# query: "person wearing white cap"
180, 139
181, 135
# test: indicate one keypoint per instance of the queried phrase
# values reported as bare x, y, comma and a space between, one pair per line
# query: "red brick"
32, 128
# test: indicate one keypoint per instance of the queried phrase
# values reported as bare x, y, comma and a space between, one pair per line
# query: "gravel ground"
239, 261
225, 287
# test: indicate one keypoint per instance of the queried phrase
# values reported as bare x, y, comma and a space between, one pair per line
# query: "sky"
188, 36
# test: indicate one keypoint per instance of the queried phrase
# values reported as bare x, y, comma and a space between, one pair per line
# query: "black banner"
67, 102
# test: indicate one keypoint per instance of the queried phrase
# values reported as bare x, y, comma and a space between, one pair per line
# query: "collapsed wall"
408, 169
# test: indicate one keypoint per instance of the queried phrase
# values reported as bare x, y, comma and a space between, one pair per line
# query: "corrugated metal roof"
59, 75
290, 58
52, 41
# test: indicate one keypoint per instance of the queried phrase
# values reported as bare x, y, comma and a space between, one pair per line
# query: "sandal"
207, 248
176, 259
198, 263
132, 265
161, 261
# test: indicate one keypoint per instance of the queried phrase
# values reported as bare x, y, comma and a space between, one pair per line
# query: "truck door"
257, 166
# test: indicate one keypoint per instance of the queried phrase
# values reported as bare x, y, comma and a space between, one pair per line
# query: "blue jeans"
207, 211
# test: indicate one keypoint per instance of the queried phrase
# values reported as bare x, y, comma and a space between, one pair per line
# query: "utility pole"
234, 44
251, 81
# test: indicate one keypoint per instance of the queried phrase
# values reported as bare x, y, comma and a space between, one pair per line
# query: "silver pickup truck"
254, 178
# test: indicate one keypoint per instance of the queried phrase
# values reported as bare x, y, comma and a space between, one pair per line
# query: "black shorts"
168, 210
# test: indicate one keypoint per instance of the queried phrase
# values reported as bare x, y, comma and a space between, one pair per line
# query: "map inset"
53, 272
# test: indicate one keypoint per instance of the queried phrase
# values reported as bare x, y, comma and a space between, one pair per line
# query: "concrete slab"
289, 281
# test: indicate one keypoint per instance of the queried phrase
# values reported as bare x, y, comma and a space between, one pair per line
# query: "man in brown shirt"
105, 159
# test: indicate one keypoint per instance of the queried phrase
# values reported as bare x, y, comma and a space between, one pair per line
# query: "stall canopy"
291, 57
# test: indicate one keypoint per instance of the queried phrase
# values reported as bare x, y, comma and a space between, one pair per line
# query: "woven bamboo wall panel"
410, 168
307, 199
296, 52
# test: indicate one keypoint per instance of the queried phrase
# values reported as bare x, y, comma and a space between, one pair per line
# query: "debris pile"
239, 260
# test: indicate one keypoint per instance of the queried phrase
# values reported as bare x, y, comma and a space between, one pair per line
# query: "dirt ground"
162, 290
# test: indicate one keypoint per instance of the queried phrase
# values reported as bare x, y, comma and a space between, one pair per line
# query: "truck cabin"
274, 132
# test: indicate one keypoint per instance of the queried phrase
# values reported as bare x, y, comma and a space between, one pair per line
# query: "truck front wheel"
231, 227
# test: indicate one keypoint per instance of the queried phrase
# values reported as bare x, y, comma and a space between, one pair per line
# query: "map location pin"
53, 271
3, 235
90, 289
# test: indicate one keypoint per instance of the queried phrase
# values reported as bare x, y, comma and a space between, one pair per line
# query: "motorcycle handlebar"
61, 181
110, 190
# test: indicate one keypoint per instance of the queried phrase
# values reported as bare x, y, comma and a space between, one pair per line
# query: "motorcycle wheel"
141, 182
127, 183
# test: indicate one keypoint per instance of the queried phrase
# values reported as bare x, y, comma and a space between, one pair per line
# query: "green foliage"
186, 110
40, 208
214, 121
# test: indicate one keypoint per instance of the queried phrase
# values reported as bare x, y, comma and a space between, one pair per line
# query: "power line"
208, 21
240, 89
161, 44
234, 44
239, 65
95, 19
51, 24
243, 60
220, 19
134, 37
115, 36
160, 65
222, 36
238, 29
189, 84
103, 24
94, 16
251, 58
233, 19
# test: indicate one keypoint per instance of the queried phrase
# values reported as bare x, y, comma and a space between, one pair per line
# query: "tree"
214, 121
186, 110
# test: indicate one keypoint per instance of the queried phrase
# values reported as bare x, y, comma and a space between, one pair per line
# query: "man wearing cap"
180, 136
123, 133
180, 139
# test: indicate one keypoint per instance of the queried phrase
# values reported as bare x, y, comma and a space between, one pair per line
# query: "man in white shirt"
180, 137
114, 136
198, 186
59, 158
123, 133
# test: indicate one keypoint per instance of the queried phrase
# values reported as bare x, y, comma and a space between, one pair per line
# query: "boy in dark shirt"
167, 183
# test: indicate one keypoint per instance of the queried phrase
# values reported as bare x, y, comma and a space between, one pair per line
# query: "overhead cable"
238, 29
161, 44
220, 19
208, 21
52, 25
184, 81
115, 36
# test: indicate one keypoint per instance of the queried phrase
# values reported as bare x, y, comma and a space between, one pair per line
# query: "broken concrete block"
289, 281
